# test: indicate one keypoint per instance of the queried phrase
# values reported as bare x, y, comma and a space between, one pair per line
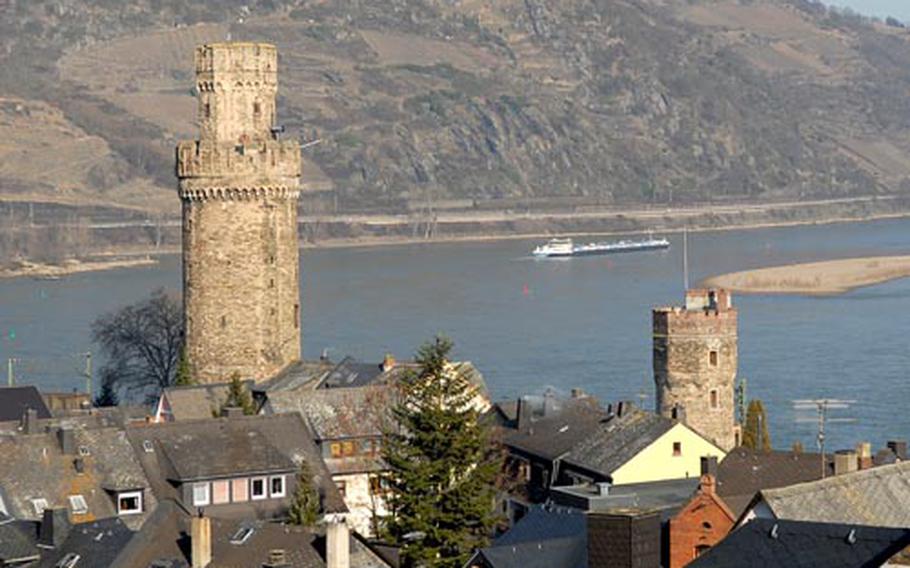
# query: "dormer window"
129, 503
201, 494
83, 451
78, 505
258, 489
40, 505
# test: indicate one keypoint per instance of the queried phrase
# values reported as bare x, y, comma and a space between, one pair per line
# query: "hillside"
423, 103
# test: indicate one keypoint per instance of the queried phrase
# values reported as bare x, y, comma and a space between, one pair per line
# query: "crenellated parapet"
205, 159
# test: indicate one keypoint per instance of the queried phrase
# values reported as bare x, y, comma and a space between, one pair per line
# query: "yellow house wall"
657, 462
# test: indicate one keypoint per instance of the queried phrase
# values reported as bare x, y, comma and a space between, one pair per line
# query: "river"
530, 324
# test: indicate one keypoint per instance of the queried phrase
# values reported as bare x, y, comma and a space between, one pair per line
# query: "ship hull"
599, 251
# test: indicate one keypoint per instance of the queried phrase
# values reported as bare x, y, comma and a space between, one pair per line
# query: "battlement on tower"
239, 62
272, 158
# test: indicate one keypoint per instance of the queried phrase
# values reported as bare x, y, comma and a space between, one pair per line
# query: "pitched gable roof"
878, 497
551, 537
617, 440
97, 544
14, 401
338, 412
558, 430
196, 402
744, 472
768, 542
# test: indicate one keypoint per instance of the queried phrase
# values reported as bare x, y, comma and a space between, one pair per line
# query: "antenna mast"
685, 259
822, 406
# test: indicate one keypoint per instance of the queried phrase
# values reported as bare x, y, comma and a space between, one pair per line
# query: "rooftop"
14, 401
767, 542
666, 496
548, 536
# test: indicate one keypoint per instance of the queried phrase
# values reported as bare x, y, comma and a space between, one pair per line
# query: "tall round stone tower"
239, 185
695, 361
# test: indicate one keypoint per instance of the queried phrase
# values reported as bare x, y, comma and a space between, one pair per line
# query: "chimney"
578, 393
709, 466
201, 541
67, 438
231, 412
624, 539
845, 462
524, 413
30, 421
899, 448
388, 363
550, 404
54, 528
603, 488
278, 558
864, 455
337, 543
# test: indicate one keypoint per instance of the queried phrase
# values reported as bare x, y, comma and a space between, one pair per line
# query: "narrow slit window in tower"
713, 398
712, 358
296, 316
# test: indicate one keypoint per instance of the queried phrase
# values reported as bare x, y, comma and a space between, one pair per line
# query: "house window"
239, 490
712, 358
83, 451
276, 486
221, 492
713, 398
257, 488
40, 505
377, 485
335, 449
348, 448
342, 488
129, 503
677, 448
200, 494
78, 504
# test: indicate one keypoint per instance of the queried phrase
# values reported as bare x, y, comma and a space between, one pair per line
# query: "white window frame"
128, 494
208, 494
40, 504
284, 487
265, 489
78, 504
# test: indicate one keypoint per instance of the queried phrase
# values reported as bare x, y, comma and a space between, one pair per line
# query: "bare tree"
142, 343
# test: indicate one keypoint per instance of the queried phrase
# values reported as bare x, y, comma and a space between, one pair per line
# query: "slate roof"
97, 543
14, 401
554, 434
614, 442
876, 497
224, 447
338, 412
18, 540
297, 375
198, 401
546, 537
666, 496
34, 467
163, 539
744, 472
804, 544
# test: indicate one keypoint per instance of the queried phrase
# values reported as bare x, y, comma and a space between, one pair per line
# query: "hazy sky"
898, 8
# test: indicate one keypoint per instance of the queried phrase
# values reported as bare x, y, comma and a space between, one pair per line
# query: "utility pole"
822, 406
88, 374
741, 400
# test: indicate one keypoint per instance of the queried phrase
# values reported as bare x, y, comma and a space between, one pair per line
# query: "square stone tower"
695, 361
239, 185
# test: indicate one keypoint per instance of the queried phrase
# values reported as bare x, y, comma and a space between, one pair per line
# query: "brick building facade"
701, 524
239, 185
695, 361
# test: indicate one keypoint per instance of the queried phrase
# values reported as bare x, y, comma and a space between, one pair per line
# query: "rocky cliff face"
423, 103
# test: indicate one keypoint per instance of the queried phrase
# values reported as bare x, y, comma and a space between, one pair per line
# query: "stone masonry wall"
685, 373
239, 186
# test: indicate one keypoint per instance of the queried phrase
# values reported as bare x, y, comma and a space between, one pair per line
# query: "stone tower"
239, 186
695, 360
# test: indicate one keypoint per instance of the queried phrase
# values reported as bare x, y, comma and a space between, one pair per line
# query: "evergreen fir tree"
305, 503
183, 376
108, 395
238, 397
755, 432
442, 466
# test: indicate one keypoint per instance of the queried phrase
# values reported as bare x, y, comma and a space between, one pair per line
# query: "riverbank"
815, 278
69, 267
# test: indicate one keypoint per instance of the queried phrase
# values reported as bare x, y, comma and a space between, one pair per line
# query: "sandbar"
815, 278
56, 271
